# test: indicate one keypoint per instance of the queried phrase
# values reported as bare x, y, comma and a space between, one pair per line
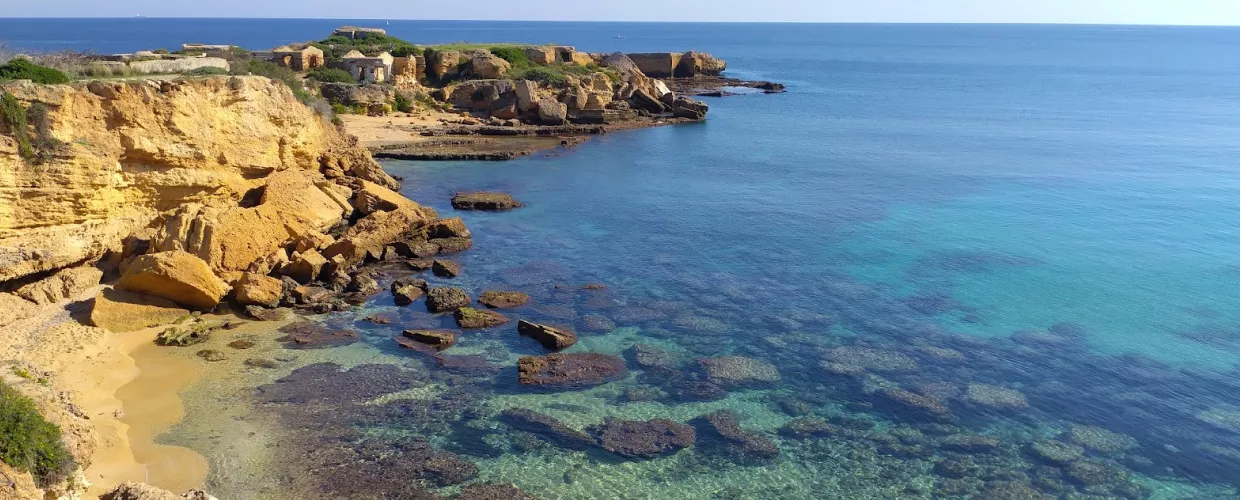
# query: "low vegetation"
206, 71
23, 69
553, 75
275, 72
28, 442
331, 75
13, 116
335, 47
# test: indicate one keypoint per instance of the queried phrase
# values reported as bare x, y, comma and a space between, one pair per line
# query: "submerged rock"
871, 359
470, 318
574, 369
598, 323
808, 427
241, 344
311, 335
496, 299
1100, 440
913, 405
182, 336
995, 397
443, 299
211, 355
650, 357
550, 337
630, 438
548, 427
132, 490
1056, 451
407, 290
739, 371
484, 201
723, 425
969, 443
268, 364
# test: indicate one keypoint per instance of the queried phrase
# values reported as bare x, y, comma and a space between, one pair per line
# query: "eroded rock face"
121, 311
576, 369
62, 285
177, 276
484, 64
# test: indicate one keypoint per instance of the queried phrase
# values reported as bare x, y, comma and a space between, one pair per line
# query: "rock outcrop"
177, 276
128, 151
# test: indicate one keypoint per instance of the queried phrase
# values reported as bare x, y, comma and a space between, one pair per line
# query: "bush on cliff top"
514, 55
13, 116
30, 443
337, 46
331, 75
22, 69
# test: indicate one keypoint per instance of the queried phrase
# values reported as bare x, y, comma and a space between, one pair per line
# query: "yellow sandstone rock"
258, 290
121, 311
177, 276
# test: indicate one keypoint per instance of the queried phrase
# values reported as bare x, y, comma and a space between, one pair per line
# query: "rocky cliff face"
128, 151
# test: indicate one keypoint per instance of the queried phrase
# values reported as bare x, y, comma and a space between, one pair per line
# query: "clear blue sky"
1225, 12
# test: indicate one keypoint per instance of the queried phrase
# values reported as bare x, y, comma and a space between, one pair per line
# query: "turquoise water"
946, 210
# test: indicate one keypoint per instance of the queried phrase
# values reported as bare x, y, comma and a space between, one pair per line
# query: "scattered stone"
570, 369
242, 344
439, 339
182, 336
211, 355
446, 269
995, 397
496, 299
311, 335
739, 371
745, 445
407, 290
484, 201
470, 318
548, 427
267, 364
552, 338
363, 285
1101, 440
443, 299
305, 267
178, 276
131, 490
379, 319
596, 286
630, 438
597, 323
1056, 451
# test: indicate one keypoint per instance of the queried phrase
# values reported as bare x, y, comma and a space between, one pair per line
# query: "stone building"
208, 50
298, 57
366, 69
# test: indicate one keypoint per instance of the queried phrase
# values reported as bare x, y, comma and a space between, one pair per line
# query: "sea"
952, 261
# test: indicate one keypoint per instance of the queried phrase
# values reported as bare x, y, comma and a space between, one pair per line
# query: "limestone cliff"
128, 151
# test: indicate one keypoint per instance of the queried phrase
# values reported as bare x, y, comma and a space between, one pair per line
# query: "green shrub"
402, 103
547, 75
340, 109
336, 47
161, 51
514, 55
14, 117
206, 71
22, 69
29, 442
275, 72
331, 75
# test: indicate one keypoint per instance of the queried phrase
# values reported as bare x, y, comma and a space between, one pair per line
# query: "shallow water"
1049, 210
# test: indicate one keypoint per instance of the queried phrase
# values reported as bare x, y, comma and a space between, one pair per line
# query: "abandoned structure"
298, 57
208, 50
550, 54
366, 69
354, 32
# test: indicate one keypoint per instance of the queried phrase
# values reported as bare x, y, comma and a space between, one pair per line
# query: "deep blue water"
1058, 204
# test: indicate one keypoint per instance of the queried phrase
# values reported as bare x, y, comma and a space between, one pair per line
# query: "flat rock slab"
470, 318
496, 299
576, 369
491, 201
552, 338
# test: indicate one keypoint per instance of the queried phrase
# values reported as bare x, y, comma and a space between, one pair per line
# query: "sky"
1190, 12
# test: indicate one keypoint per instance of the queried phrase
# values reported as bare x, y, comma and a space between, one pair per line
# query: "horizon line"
924, 23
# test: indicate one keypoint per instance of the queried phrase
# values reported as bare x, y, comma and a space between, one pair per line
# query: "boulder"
739, 371
185, 335
259, 290
698, 64
527, 95
480, 200
544, 54
407, 290
449, 228
470, 318
723, 425
446, 269
439, 339
119, 311
131, 490
547, 427
305, 267
552, 112
484, 64
693, 109
551, 338
575, 369
481, 95
443, 299
660, 89
177, 276
375, 231
643, 100
371, 198
630, 438
66, 283
363, 285
311, 240
496, 299
444, 64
